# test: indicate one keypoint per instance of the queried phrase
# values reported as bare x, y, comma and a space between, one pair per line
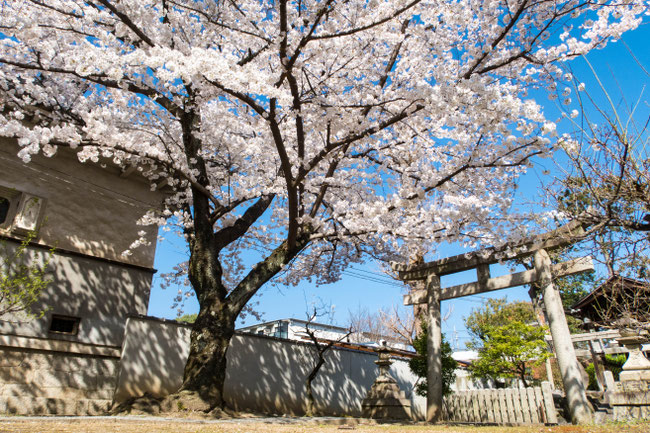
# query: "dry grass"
136, 425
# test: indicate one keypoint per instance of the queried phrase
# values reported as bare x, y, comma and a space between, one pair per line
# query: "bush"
418, 365
21, 282
613, 363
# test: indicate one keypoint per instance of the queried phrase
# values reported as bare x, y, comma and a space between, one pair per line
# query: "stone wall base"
631, 400
53, 406
55, 383
626, 413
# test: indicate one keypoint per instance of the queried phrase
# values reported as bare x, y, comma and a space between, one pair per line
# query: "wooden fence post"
549, 405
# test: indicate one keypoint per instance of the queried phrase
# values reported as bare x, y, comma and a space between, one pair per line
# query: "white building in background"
294, 329
464, 380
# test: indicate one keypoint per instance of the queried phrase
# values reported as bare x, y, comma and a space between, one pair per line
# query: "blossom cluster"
378, 126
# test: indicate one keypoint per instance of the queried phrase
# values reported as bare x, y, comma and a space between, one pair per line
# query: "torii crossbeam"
543, 275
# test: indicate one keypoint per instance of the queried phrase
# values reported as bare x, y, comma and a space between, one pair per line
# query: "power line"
377, 274
373, 279
380, 278
467, 300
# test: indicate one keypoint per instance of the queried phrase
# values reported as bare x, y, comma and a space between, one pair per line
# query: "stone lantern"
385, 400
637, 365
631, 399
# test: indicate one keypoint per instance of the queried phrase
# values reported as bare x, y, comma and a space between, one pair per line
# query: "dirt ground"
272, 425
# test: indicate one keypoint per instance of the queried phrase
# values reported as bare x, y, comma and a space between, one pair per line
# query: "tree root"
183, 404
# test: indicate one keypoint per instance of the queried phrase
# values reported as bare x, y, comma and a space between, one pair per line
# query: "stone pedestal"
385, 400
631, 399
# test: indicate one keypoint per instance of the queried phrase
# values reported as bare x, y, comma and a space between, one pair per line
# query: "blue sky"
365, 286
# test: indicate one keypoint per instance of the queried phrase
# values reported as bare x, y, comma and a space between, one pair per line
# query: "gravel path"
148, 424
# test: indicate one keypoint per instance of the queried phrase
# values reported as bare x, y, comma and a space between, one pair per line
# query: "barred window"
4, 209
64, 324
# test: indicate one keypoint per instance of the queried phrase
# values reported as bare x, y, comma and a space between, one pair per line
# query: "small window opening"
4, 209
64, 324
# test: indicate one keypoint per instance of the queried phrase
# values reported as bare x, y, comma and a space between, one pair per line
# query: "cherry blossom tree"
604, 180
309, 133
396, 325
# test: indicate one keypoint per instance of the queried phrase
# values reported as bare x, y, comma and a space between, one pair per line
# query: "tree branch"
229, 234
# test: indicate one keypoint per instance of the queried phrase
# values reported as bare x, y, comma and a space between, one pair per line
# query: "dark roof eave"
588, 298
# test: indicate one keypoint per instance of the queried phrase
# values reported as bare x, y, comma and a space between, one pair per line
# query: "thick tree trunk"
205, 370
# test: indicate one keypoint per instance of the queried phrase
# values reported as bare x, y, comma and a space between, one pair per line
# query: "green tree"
510, 350
22, 280
613, 363
187, 318
496, 312
508, 340
418, 365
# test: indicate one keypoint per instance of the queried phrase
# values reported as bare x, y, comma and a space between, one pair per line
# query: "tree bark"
205, 370
310, 378
522, 376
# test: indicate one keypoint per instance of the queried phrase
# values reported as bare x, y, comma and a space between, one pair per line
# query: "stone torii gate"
542, 274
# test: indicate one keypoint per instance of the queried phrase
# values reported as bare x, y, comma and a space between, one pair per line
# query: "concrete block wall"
45, 382
89, 214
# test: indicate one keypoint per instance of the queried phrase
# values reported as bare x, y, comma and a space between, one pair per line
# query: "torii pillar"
574, 388
543, 273
434, 354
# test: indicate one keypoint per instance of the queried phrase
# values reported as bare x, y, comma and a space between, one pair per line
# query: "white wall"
264, 374
89, 214
101, 294
88, 208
